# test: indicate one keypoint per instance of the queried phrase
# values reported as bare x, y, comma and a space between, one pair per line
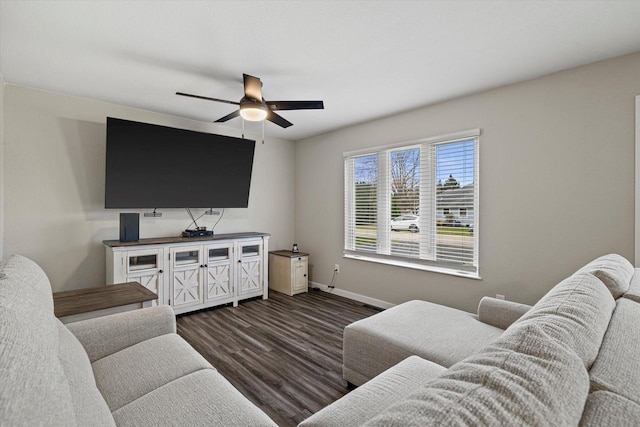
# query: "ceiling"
365, 59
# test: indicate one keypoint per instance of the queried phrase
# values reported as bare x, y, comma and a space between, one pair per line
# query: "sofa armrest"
376, 395
500, 313
106, 335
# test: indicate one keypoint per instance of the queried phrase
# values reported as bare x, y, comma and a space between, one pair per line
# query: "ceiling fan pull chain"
242, 127
263, 132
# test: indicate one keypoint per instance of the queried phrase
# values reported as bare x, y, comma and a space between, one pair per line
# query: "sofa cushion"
634, 287
32, 284
614, 271
421, 328
617, 367
88, 404
611, 410
137, 370
202, 398
527, 377
575, 312
371, 398
500, 313
33, 386
106, 335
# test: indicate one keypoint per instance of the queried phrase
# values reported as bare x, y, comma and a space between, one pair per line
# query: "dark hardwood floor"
284, 354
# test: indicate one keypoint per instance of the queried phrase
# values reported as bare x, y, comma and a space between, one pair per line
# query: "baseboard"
352, 295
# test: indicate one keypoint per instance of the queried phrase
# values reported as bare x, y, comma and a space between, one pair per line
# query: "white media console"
193, 273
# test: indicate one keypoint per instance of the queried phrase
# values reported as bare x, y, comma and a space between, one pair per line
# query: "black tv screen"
151, 166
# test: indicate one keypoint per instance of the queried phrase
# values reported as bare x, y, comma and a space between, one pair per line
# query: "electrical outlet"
498, 296
336, 268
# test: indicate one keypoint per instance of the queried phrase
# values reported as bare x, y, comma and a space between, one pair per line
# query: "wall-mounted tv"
151, 166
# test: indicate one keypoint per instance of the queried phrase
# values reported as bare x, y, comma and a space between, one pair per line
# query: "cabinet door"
146, 267
186, 276
219, 272
250, 272
299, 274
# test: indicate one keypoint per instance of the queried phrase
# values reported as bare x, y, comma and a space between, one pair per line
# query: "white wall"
556, 185
54, 168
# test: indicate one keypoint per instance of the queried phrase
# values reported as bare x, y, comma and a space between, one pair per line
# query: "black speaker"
129, 227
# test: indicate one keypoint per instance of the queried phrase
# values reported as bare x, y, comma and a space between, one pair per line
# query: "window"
415, 204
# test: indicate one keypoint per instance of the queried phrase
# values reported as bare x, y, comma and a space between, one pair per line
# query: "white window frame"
427, 208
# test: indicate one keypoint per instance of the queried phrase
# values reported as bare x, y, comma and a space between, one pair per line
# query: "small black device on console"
129, 227
197, 233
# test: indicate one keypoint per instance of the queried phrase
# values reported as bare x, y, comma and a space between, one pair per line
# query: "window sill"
416, 266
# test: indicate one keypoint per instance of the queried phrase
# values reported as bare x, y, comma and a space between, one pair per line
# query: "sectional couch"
127, 369
571, 359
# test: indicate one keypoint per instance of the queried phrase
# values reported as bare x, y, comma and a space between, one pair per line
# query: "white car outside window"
406, 222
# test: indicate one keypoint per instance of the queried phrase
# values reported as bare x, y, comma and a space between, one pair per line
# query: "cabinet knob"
305, 275
160, 271
299, 258
201, 266
206, 265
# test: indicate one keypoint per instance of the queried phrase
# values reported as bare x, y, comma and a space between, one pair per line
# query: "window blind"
415, 204
361, 195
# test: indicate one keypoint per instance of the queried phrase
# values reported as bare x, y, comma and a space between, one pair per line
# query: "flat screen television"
151, 166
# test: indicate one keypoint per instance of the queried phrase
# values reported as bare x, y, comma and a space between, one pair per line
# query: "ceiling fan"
253, 106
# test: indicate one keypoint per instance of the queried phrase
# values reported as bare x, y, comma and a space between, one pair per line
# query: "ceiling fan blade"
279, 120
252, 87
207, 98
295, 105
228, 117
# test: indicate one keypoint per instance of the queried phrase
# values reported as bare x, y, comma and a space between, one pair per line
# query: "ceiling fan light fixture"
253, 113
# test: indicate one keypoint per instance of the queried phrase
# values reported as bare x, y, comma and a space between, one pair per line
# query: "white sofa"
572, 359
127, 369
